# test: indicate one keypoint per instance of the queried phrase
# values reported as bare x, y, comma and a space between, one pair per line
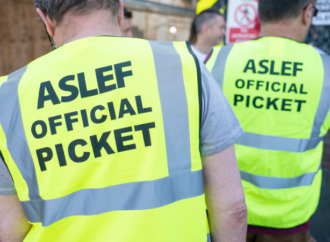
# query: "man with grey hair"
207, 30
114, 139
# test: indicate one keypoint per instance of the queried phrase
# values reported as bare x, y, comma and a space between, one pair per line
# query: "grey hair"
207, 17
57, 8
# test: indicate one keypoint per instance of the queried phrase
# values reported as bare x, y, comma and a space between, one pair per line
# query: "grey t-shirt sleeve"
6, 183
220, 127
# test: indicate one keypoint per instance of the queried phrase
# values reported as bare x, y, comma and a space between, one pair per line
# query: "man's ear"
308, 15
205, 29
121, 12
49, 23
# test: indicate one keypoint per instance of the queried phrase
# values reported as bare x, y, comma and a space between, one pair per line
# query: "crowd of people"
109, 138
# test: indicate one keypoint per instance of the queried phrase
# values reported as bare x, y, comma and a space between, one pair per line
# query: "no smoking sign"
242, 21
245, 15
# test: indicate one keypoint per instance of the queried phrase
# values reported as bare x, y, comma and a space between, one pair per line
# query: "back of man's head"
57, 8
272, 11
207, 17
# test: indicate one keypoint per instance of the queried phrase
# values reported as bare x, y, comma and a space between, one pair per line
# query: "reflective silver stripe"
218, 70
181, 183
266, 182
12, 125
208, 237
324, 104
267, 142
174, 104
291, 144
130, 196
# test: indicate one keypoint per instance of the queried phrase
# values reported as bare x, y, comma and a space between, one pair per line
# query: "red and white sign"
242, 21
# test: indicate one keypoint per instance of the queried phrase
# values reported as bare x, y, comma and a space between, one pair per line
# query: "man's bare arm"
225, 197
13, 223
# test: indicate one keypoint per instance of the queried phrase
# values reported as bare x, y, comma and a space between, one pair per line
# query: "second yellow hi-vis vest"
101, 137
203, 5
280, 92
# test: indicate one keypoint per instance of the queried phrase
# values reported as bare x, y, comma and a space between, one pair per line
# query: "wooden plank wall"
22, 36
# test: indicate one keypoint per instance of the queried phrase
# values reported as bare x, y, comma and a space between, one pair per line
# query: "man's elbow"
238, 211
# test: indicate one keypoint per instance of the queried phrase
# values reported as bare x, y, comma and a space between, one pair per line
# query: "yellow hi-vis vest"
203, 5
101, 137
280, 92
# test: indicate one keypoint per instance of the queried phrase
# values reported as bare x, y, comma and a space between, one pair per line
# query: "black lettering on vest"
53, 124
120, 139
112, 111
296, 69
93, 115
247, 101
272, 103
250, 66
42, 97
293, 88
126, 107
241, 85
261, 64
60, 155
286, 103
98, 145
267, 86
255, 102
250, 83
83, 88
284, 87
68, 88
84, 118
145, 128
273, 86
140, 107
43, 159
43, 129
101, 79
72, 151
300, 102
69, 121
120, 74
302, 89
238, 98
260, 84
272, 67
285, 67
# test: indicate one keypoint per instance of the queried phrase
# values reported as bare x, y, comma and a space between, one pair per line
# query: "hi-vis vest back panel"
203, 5
101, 137
279, 90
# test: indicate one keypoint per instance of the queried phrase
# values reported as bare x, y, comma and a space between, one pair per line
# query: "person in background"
110, 138
311, 38
126, 25
279, 88
207, 30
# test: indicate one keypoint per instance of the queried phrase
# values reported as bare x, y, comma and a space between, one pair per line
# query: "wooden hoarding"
22, 36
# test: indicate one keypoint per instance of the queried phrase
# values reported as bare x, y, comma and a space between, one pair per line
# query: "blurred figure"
208, 30
126, 25
312, 37
279, 89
